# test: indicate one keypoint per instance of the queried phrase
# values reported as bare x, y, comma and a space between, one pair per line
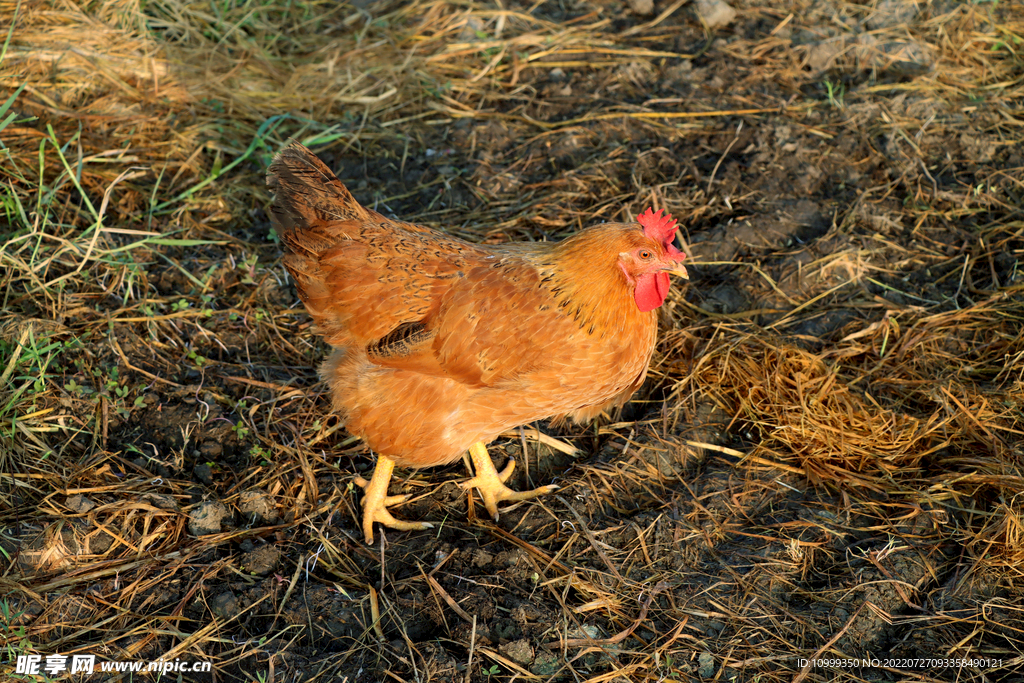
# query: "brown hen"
440, 345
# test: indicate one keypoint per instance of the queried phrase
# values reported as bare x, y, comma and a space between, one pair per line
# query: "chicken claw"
376, 501
491, 484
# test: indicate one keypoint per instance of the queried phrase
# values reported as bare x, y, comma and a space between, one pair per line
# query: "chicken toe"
491, 484
376, 501
389, 500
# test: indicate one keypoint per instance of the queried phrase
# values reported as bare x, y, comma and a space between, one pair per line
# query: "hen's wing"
365, 279
491, 325
498, 325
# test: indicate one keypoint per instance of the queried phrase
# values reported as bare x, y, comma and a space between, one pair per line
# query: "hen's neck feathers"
582, 272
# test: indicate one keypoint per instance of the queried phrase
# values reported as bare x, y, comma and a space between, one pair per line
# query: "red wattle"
651, 290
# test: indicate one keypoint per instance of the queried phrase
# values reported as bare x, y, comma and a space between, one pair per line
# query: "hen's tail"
307, 196
312, 210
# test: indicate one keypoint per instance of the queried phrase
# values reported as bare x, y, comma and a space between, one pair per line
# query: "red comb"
656, 226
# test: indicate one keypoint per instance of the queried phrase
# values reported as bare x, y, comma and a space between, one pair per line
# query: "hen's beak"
677, 269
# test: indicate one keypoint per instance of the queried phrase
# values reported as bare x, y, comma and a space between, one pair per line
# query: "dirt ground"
824, 466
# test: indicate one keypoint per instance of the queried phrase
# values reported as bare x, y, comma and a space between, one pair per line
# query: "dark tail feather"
312, 209
307, 195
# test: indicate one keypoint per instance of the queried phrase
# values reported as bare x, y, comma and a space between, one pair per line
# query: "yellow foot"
491, 484
377, 500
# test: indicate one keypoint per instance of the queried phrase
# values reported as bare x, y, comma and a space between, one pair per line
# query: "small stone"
159, 500
99, 543
642, 7
707, 665
257, 507
822, 55
207, 518
715, 13
225, 605
545, 664
519, 651
890, 13
262, 561
211, 450
79, 503
482, 558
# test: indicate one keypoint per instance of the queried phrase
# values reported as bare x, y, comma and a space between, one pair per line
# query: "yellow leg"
376, 501
491, 484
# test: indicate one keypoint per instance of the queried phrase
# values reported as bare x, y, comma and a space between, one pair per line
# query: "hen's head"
651, 258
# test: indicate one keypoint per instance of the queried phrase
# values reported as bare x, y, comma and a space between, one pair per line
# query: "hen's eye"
645, 254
